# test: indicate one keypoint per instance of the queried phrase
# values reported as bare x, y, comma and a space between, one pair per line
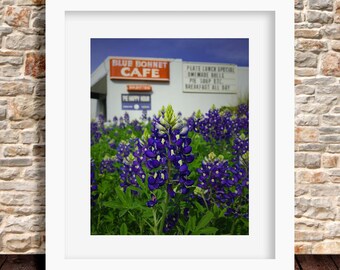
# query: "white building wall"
164, 93
94, 104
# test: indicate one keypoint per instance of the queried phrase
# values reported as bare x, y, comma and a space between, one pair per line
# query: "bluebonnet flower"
136, 125
170, 222
96, 133
168, 152
94, 186
186, 212
126, 118
221, 183
115, 121
112, 144
152, 202
144, 115
123, 151
107, 165
243, 109
213, 126
121, 122
241, 120
130, 169
193, 121
240, 146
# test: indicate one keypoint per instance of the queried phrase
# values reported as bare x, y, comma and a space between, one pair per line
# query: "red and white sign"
139, 69
139, 87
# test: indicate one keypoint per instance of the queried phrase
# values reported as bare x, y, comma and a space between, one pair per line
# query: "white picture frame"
67, 246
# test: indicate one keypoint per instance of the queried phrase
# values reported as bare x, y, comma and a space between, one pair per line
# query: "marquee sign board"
209, 78
136, 102
139, 69
139, 88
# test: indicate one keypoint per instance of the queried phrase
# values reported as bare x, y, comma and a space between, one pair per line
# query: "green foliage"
119, 212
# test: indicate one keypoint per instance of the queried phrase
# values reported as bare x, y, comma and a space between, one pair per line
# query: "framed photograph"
170, 135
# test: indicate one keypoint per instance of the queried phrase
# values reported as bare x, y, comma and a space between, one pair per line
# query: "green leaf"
123, 212
123, 229
199, 207
190, 225
208, 230
130, 188
204, 221
120, 195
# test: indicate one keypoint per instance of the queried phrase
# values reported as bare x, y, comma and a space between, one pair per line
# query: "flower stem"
165, 204
205, 202
155, 221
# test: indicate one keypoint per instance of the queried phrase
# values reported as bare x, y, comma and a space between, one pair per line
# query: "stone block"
319, 81
30, 2
308, 236
306, 59
17, 242
332, 31
9, 173
335, 45
328, 90
304, 99
23, 107
321, 4
3, 112
304, 248
10, 71
333, 148
304, 90
35, 174
35, 65
319, 17
17, 16
15, 162
311, 147
326, 247
311, 177
311, 45
17, 199
15, 150
314, 108
306, 72
29, 137
307, 120
329, 161
39, 150
305, 134
24, 42
325, 190
15, 88
308, 33
8, 137
24, 124
331, 119
298, 4
329, 138
330, 64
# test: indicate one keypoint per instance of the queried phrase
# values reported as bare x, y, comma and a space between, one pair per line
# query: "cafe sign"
209, 78
139, 69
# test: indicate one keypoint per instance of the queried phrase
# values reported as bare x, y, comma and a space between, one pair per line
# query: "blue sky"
232, 51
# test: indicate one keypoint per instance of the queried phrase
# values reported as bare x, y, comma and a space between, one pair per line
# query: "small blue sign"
136, 102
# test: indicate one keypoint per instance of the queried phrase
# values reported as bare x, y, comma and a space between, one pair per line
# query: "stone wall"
22, 126
317, 126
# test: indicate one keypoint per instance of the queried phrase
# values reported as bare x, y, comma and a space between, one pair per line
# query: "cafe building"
133, 85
